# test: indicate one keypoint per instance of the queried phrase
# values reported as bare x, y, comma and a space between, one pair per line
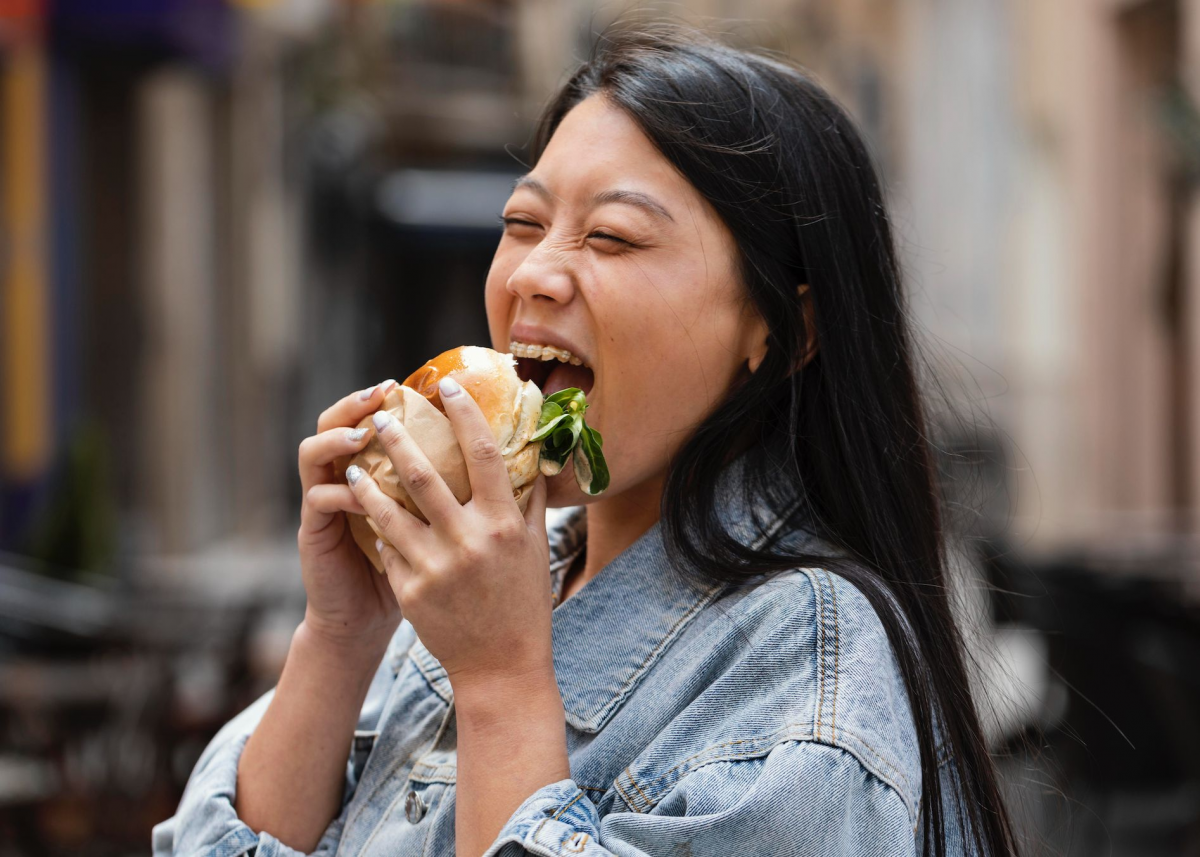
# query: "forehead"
597, 146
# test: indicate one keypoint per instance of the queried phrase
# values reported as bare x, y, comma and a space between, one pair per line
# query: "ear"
759, 351
758, 340
810, 323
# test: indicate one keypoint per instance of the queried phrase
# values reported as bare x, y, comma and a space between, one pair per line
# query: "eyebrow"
624, 197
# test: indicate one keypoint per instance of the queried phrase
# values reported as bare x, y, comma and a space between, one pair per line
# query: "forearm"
292, 772
511, 741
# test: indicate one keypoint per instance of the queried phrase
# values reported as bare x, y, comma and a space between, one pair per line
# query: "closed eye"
509, 221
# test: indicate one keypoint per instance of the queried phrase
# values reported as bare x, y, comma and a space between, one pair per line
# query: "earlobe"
810, 323
758, 351
755, 359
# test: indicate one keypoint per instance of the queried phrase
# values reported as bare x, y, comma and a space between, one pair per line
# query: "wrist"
529, 697
355, 654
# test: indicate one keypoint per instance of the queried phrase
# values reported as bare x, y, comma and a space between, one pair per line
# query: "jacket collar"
610, 634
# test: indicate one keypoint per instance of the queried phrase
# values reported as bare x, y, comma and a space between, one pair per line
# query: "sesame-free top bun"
491, 379
510, 406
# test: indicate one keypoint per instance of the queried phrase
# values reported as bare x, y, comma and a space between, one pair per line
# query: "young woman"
743, 647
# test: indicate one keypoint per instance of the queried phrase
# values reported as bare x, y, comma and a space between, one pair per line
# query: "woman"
745, 645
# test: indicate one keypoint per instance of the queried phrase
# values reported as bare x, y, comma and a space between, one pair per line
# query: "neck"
614, 523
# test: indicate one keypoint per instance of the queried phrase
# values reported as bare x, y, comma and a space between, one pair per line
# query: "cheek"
655, 394
662, 378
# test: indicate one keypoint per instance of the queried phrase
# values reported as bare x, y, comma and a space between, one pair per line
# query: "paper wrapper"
432, 431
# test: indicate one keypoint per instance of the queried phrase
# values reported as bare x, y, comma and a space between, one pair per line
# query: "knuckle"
306, 448
385, 517
410, 593
433, 568
390, 439
418, 475
501, 531
483, 449
471, 552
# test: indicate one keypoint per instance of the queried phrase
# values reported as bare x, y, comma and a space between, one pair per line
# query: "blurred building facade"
207, 198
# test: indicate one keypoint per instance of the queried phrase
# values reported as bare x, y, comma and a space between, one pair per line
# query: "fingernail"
367, 393
383, 420
379, 546
390, 382
449, 387
355, 435
354, 473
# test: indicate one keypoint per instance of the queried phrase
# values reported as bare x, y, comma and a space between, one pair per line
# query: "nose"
544, 274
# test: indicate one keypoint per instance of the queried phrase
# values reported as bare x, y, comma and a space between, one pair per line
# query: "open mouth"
552, 369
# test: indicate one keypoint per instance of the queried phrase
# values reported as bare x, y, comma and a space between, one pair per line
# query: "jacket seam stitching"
633, 783
895, 772
819, 592
632, 804
883, 777
573, 801
828, 650
836, 654
890, 776
767, 744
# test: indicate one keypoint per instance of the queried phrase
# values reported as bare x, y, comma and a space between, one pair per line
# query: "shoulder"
805, 661
826, 631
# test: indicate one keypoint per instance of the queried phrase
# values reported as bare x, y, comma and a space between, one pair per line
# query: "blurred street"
217, 217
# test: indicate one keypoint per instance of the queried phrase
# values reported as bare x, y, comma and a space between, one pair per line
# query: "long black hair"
788, 172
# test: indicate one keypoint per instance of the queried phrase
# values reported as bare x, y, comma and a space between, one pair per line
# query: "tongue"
567, 375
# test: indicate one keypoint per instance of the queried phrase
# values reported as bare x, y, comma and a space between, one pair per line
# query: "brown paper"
432, 431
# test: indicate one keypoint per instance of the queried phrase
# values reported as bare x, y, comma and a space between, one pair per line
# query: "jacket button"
414, 807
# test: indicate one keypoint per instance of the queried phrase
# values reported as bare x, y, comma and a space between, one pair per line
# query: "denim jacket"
764, 720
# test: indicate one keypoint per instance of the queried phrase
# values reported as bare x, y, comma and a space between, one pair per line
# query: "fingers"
397, 523
491, 489
535, 512
395, 566
419, 478
318, 452
322, 502
350, 410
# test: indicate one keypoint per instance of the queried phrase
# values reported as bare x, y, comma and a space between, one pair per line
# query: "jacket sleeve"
206, 822
801, 798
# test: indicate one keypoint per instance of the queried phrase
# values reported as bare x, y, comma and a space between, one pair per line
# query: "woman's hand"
350, 605
475, 583
475, 580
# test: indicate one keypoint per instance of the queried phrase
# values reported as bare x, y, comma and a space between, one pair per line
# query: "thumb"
535, 512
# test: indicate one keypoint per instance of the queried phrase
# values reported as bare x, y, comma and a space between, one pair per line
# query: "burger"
533, 434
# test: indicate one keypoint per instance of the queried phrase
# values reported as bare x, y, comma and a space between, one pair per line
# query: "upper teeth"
543, 352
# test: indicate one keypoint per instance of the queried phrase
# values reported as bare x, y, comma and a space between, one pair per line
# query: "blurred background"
213, 212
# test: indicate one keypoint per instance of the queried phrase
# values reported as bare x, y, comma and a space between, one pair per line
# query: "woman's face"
610, 253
